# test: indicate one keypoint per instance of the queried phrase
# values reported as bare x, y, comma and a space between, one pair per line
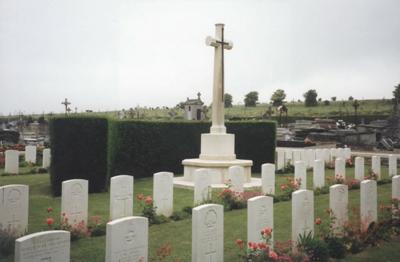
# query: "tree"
228, 100
396, 94
251, 99
333, 98
278, 97
310, 98
351, 98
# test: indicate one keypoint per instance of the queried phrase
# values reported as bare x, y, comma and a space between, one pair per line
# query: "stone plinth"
218, 147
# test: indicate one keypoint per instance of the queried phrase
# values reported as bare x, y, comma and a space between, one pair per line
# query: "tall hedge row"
79, 150
141, 148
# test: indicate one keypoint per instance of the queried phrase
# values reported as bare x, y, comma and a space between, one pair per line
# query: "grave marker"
268, 179
340, 168
302, 214
338, 203
74, 201
359, 168
376, 166
202, 185
260, 214
121, 196
30, 154
319, 173
368, 202
12, 162
300, 173
46, 158
392, 165
237, 178
163, 193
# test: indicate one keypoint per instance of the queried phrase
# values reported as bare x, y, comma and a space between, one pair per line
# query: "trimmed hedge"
78, 150
141, 148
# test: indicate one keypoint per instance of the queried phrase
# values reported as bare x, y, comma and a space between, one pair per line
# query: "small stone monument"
12, 162
260, 214
121, 196
30, 154
217, 147
163, 193
46, 158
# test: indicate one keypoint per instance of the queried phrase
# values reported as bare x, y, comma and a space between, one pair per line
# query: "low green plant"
7, 242
316, 249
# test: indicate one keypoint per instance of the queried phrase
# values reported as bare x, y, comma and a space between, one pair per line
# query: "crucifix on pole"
219, 44
66, 103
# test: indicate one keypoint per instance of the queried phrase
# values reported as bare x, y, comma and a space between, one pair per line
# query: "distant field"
370, 109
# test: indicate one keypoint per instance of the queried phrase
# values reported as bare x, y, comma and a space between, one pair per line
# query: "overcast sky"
114, 54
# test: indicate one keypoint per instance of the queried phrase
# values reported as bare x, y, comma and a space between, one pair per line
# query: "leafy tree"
228, 100
333, 98
310, 98
351, 98
251, 99
326, 103
278, 97
396, 94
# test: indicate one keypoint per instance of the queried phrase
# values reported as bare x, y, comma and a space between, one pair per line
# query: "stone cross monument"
217, 147
219, 45
66, 104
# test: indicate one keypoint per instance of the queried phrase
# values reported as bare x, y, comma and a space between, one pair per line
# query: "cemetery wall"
78, 150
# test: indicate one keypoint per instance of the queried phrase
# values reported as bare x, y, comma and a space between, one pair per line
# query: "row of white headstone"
127, 238
12, 159
288, 155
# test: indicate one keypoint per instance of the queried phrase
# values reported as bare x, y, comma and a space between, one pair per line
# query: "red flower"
262, 245
283, 187
252, 245
49, 209
318, 221
140, 197
266, 232
149, 200
239, 243
50, 221
273, 255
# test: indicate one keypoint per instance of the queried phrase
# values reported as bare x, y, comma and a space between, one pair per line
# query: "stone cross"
66, 103
219, 44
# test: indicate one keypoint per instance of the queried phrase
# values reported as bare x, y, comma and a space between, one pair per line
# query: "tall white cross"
219, 44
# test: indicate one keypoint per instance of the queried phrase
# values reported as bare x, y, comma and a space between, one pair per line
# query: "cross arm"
210, 41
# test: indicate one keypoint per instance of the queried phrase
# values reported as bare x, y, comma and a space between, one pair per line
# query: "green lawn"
178, 234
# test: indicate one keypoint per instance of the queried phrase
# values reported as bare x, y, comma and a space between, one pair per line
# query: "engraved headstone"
396, 187
288, 156
74, 201
46, 158
300, 173
163, 193
30, 154
268, 179
340, 153
347, 153
296, 156
359, 168
327, 155
12, 162
237, 178
319, 173
208, 233
310, 155
202, 185
46, 246
340, 167
392, 165
376, 165
303, 156
280, 159
121, 196
302, 213
368, 203
127, 239
338, 203
333, 154
14, 207
260, 214
319, 154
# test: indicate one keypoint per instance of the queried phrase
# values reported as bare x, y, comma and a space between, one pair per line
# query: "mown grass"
178, 234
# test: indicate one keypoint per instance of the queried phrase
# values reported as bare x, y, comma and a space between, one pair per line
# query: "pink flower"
149, 200
267, 232
273, 255
318, 221
50, 221
49, 209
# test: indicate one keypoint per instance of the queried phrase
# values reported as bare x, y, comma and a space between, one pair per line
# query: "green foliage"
351, 98
396, 94
7, 242
9, 135
333, 98
228, 100
316, 249
326, 103
310, 98
179, 215
79, 151
251, 99
278, 97
141, 148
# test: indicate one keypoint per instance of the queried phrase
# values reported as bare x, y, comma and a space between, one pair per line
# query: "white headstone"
127, 239
237, 177
368, 203
303, 155
14, 208
310, 154
296, 156
376, 165
319, 173
340, 167
302, 213
396, 187
340, 153
280, 159
359, 168
43, 246
121, 196
74, 201
347, 153
30, 154
202, 185
163, 193
12, 162
333, 154
288, 156
300, 173
338, 203
319, 154
208, 233
46, 158
260, 214
327, 155
268, 179
392, 165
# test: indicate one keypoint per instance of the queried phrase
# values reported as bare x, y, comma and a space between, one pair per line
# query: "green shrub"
179, 215
315, 248
78, 150
141, 148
